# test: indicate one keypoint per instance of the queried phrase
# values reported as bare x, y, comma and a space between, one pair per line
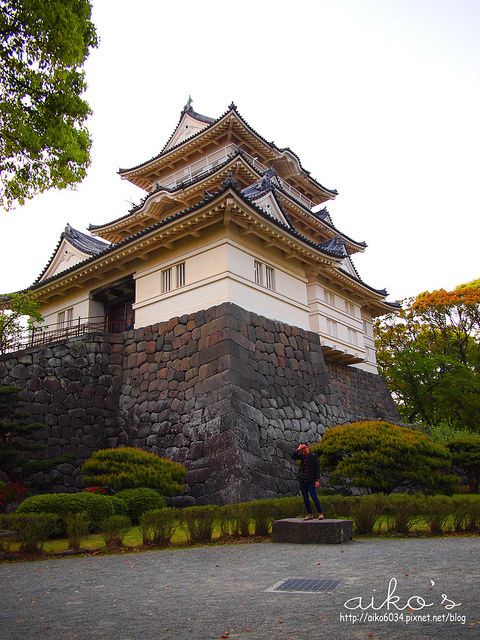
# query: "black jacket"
309, 467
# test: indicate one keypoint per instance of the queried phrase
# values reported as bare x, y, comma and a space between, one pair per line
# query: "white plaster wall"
221, 272
80, 305
322, 310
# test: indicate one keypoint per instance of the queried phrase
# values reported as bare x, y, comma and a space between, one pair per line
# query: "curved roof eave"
207, 199
232, 108
137, 208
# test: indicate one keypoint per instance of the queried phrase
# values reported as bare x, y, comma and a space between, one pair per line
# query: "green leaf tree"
465, 453
381, 457
17, 310
430, 356
15, 445
43, 141
129, 467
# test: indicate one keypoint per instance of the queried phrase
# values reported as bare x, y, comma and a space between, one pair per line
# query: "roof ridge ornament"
230, 181
232, 106
188, 105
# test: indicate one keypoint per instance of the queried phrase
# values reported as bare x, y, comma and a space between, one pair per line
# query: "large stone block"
312, 531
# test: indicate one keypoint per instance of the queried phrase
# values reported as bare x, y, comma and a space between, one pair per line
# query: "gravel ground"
223, 591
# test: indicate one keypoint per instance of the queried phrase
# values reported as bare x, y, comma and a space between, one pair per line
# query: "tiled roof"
232, 107
82, 241
180, 186
180, 214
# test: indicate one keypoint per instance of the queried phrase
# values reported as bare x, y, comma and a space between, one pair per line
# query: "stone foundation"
224, 391
312, 531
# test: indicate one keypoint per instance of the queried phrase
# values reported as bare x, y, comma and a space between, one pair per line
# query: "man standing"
309, 478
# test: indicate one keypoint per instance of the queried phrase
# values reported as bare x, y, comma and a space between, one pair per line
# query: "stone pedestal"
312, 531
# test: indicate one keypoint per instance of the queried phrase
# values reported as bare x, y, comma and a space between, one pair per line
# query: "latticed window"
332, 328
258, 271
173, 277
329, 298
180, 268
350, 308
269, 277
352, 336
166, 280
264, 275
65, 318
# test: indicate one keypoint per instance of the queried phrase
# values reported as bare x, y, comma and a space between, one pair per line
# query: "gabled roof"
230, 118
74, 244
187, 117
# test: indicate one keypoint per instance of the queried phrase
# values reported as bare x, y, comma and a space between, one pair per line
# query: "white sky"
379, 99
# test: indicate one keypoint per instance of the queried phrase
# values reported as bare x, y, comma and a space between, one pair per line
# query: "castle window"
329, 298
269, 277
264, 275
258, 271
352, 336
65, 318
180, 274
173, 277
350, 308
332, 328
166, 280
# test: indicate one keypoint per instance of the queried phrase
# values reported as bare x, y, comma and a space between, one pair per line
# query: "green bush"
199, 522
158, 526
404, 510
365, 511
437, 511
473, 518
382, 457
262, 512
290, 507
140, 500
32, 529
240, 518
77, 528
129, 467
120, 507
98, 507
461, 508
114, 529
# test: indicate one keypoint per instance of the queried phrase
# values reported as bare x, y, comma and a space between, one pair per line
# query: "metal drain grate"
304, 585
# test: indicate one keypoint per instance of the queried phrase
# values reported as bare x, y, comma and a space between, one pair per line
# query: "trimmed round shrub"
140, 500
382, 457
128, 467
98, 507
120, 507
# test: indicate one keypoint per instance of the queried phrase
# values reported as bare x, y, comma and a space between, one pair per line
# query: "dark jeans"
309, 488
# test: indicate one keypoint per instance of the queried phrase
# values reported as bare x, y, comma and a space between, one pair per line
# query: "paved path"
204, 593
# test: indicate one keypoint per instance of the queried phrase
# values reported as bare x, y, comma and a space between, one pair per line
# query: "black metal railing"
38, 336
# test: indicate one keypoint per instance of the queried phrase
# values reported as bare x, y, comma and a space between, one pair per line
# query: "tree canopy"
43, 141
15, 310
430, 357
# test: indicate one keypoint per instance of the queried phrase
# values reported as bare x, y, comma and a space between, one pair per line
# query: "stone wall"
224, 391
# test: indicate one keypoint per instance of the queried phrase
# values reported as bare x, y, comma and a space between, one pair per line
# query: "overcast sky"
379, 99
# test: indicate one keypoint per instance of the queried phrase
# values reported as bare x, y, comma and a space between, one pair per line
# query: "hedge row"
130, 502
397, 512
